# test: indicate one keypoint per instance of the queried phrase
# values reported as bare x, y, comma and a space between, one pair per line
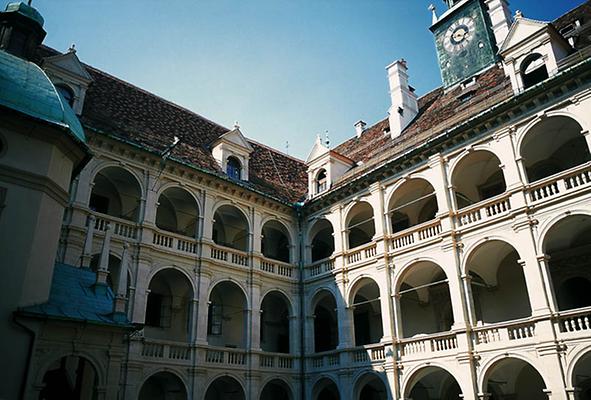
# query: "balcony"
174, 242
275, 267
276, 361
228, 255
366, 355
361, 254
484, 211
122, 228
415, 235
503, 335
320, 267
574, 324
428, 346
226, 357
566, 182
152, 350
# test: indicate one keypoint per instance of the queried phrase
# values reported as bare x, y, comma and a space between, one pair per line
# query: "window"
321, 181
533, 70
66, 93
233, 168
215, 319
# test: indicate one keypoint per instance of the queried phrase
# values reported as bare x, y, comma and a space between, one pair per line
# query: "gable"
319, 149
69, 63
235, 138
522, 29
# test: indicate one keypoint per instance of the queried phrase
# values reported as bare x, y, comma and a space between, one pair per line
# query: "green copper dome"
25, 88
25, 10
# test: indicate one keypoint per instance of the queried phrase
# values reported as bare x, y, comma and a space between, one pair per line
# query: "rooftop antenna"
164, 156
327, 139
287, 147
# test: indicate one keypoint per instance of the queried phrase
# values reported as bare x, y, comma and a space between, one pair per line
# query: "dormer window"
321, 181
533, 70
233, 168
66, 93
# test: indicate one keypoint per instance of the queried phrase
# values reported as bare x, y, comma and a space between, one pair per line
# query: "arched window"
234, 168
321, 181
66, 93
533, 70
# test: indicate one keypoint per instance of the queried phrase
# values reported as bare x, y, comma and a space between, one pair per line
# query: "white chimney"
500, 17
359, 127
405, 105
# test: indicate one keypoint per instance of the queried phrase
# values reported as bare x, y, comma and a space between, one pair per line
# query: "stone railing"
574, 323
361, 253
326, 360
276, 267
503, 332
276, 360
228, 255
486, 210
175, 242
320, 267
120, 227
562, 183
415, 235
368, 354
164, 350
225, 356
428, 344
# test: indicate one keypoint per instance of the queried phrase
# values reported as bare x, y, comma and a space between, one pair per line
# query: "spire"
433, 10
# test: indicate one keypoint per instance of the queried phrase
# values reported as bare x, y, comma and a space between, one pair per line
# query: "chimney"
405, 106
359, 127
500, 18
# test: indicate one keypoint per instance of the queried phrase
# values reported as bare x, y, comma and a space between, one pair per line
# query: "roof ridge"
564, 14
275, 150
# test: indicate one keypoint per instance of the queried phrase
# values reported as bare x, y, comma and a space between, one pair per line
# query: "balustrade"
320, 267
165, 350
172, 241
429, 344
276, 267
367, 252
120, 227
228, 255
485, 210
566, 181
575, 323
416, 234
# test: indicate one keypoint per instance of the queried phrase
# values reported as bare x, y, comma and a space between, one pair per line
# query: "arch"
370, 385
276, 388
580, 375
169, 305
226, 319
360, 224
552, 145
567, 244
276, 241
70, 376
178, 211
114, 268
365, 301
225, 387
116, 192
321, 181
231, 227
325, 388
321, 236
498, 286
477, 176
66, 92
424, 298
163, 385
533, 70
234, 168
326, 327
412, 203
513, 376
430, 383
275, 322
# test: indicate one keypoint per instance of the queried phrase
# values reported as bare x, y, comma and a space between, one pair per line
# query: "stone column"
345, 323
255, 321
203, 308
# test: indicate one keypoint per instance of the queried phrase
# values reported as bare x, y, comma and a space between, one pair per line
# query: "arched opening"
425, 302
515, 379
553, 145
533, 70
114, 268
477, 177
70, 377
321, 181
326, 328
325, 389
367, 312
413, 203
117, 193
275, 241
360, 225
499, 291
66, 92
275, 323
276, 390
163, 385
322, 243
230, 228
581, 379
433, 383
177, 212
234, 168
168, 307
226, 322
371, 387
225, 388
568, 245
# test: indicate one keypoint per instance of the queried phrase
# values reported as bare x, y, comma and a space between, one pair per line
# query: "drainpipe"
298, 207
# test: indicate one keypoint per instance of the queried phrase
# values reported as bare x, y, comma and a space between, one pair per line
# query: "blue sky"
286, 70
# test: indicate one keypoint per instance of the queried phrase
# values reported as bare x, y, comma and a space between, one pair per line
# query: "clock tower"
465, 40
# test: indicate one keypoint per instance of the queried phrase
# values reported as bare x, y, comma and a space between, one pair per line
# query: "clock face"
459, 35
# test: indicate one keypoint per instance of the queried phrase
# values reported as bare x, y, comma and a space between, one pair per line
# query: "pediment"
521, 30
318, 150
69, 63
235, 138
